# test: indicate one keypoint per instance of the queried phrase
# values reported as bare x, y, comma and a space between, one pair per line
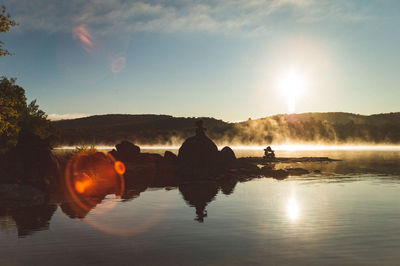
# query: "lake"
345, 212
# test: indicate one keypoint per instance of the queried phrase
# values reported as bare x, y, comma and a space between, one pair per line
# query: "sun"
292, 84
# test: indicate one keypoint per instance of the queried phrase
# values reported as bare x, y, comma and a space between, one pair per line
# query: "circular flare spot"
118, 64
119, 167
89, 177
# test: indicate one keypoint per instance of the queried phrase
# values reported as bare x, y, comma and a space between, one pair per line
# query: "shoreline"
294, 147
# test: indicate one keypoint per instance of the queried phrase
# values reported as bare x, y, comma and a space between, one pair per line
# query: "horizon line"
82, 116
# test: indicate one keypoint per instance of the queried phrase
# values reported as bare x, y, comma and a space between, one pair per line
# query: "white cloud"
55, 117
224, 16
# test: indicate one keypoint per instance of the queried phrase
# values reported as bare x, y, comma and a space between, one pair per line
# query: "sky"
228, 59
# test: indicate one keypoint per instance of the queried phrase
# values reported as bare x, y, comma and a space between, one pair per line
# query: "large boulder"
226, 156
31, 162
127, 151
198, 157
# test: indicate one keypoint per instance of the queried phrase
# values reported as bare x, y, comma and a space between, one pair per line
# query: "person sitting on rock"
269, 153
200, 130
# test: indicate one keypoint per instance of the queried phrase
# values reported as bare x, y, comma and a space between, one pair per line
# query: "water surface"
345, 212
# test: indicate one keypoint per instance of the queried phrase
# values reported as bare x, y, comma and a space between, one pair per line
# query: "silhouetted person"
269, 153
198, 195
200, 130
201, 213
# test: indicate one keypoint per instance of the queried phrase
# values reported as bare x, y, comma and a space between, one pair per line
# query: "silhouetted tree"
16, 115
6, 23
12, 108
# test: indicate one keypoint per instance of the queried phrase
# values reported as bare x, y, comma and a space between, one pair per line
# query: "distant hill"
328, 128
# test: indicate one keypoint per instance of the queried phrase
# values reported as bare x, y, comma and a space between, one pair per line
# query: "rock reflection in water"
27, 220
28, 210
200, 194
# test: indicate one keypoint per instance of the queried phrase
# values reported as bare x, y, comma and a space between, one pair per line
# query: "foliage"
35, 121
85, 148
12, 109
16, 114
6, 23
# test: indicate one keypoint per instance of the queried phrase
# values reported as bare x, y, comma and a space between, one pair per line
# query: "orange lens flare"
81, 186
119, 167
89, 177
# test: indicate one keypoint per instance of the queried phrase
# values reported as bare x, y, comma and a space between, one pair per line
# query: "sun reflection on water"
293, 209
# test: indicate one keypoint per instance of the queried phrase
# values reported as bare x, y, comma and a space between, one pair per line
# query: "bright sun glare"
292, 84
292, 209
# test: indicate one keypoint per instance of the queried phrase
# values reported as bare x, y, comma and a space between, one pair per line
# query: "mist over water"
322, 129
255, 148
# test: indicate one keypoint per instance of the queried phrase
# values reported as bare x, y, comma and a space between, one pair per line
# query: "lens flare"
86, 39
90, 176
118, 64
119, 167
142, 227
81, 186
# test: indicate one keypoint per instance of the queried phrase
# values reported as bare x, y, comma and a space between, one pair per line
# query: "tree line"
324, 128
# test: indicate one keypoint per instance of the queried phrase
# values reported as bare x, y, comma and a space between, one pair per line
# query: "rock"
170, 157
198, 156
167, 171
242, 167
146, 169
280, 174
227, 156
267, 171
114, 153
153, 158
30, 162
127, 151
297, 171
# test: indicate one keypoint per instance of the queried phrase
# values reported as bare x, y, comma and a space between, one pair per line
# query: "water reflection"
100, 197
26, 220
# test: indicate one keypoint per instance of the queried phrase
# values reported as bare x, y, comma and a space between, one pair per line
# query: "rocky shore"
33, 180
30, 170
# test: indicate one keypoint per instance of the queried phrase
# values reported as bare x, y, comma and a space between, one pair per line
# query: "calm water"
345, 213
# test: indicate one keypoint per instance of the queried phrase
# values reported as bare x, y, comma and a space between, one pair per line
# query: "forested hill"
142, 129
328, 128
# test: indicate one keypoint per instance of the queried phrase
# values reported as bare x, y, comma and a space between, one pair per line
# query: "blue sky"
224, 59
